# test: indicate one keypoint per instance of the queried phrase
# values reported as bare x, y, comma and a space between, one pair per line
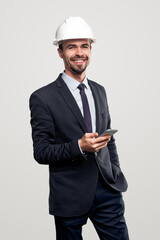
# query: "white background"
126, 60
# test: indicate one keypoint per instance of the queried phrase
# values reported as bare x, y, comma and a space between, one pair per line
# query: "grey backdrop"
126, 60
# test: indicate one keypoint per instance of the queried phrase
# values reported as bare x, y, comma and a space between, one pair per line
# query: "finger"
100, 145
102, 139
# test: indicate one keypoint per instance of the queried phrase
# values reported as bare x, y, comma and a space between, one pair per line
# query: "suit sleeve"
46, 151
113, 149
111, 144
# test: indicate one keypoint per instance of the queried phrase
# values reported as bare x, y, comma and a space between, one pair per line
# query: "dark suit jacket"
57, 124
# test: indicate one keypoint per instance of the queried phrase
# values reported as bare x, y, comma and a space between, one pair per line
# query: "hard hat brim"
58, 42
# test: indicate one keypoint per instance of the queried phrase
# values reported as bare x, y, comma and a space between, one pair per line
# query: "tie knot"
81, 86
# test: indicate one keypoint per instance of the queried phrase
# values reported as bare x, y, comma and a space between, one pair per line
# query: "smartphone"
109, 132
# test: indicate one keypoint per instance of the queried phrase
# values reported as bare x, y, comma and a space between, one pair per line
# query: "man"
67, 117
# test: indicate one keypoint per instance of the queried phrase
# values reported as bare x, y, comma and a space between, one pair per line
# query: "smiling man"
68, 117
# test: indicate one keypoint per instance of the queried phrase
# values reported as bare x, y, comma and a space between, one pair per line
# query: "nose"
79, 52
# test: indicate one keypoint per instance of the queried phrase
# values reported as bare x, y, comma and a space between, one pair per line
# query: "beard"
78, 69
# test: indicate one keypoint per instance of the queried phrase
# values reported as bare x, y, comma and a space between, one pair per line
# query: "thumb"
91, 135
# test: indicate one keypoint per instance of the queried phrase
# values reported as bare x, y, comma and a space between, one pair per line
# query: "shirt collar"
72, 83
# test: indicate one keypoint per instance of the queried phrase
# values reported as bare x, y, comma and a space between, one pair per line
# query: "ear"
60, 52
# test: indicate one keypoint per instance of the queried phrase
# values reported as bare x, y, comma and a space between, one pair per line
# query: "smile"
79, 61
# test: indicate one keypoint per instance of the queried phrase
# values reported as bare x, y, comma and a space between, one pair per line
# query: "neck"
77, 77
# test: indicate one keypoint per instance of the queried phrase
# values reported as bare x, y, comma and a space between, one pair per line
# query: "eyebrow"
71, 45
74, 45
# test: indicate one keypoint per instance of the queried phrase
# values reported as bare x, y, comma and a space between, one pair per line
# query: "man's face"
76, 55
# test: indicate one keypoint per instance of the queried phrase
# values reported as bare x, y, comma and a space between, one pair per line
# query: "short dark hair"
61, 47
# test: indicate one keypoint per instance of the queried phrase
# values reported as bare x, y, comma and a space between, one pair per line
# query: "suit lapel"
97, 104
69, 99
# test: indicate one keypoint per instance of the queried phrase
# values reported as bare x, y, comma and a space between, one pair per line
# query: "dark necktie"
86, 111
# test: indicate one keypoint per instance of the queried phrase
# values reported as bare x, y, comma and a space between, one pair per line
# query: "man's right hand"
90, 142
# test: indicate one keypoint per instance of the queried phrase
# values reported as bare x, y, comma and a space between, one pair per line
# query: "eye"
85, 46
71, 47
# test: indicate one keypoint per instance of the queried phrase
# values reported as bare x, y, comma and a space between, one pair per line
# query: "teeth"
79, 61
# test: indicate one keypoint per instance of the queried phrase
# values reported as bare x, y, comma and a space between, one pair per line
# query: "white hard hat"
73, 28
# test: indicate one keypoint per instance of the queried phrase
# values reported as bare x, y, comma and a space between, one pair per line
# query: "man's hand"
90, 142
